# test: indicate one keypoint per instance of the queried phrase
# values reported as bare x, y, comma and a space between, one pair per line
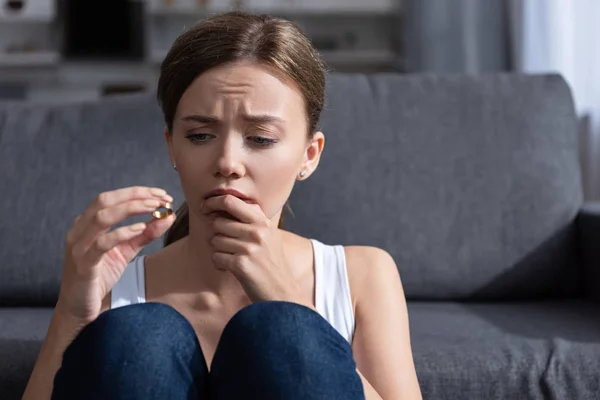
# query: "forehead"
257, 87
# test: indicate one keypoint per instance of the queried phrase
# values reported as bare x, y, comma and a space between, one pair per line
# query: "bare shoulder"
381, 345
366, 256
370, 268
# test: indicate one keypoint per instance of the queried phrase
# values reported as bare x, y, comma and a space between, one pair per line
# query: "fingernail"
158, 192
167, 198
152, 203
138, 227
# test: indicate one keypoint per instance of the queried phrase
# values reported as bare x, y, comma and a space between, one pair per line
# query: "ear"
312, 155
169, 140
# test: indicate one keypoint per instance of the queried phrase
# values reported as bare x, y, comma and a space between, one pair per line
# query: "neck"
200, 267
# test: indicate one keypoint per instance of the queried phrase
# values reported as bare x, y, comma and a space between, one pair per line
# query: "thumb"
154, 229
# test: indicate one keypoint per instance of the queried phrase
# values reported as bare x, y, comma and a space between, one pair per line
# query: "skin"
234, 254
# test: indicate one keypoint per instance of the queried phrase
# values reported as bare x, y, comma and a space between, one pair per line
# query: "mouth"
232, 192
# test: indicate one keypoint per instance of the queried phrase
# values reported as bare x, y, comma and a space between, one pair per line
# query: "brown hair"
236, 36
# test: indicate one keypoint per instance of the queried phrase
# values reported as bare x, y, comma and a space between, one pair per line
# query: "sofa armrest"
588, 227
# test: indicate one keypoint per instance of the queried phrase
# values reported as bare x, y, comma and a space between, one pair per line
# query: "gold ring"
163, 214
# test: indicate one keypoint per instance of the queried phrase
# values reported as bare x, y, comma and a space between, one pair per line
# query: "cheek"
279, 164
191, 169
195, 160
274, 179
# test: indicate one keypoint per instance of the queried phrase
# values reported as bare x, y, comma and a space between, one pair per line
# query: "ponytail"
181, 226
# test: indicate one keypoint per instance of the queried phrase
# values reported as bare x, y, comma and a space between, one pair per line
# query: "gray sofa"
471, 183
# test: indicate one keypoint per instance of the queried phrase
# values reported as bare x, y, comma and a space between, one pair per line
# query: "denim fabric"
268, 350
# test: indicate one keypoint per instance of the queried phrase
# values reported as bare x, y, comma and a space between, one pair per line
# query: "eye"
198, 137
262, 141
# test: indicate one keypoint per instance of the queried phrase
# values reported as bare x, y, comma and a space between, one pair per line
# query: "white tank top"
332, 290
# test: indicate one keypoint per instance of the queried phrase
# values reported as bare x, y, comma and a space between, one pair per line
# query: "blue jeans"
268, 350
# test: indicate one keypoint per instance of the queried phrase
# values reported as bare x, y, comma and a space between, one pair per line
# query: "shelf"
358, 57
29, 59
314, 8
80, 74
338, 57
32, 11
155, 8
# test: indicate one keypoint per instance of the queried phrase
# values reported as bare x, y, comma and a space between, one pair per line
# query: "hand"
96, 258
251, 250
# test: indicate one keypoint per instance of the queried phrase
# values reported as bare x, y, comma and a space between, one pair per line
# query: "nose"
229, 158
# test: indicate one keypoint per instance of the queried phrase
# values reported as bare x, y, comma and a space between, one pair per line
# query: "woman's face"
240, 126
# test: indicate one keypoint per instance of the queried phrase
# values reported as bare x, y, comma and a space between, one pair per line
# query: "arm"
95, 258
381, 342
62, 331
370, 392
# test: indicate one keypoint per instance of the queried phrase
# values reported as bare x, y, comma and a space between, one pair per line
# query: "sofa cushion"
470, 182
527, 350
22, 331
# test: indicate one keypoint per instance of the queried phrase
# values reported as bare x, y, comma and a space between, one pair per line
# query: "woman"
274, 315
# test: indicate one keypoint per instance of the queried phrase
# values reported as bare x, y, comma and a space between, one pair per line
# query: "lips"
230, 191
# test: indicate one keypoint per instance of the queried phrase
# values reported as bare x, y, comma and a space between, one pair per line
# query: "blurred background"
70, 50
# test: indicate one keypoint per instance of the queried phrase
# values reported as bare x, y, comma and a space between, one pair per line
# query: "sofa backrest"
54, 160
470, 183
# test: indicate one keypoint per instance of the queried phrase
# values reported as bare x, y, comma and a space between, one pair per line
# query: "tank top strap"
332, 288
130, 288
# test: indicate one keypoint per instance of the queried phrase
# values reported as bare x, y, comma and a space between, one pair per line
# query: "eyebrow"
262, 118
203, 119
257, 118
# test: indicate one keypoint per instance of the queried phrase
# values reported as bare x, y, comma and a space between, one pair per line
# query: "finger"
155, 229
107, 217
231, 228
107, 241
228, 245
130, 238
225, 262
114, 197
247, 213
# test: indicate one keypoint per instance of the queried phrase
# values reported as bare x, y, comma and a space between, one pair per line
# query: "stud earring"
302, 174
175, 167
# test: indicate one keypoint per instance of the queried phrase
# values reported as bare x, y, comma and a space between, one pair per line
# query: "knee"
277, 316
268, 339
277, 324
131, 351
140, 331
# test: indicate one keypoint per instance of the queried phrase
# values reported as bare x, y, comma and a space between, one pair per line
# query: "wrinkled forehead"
248, 88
